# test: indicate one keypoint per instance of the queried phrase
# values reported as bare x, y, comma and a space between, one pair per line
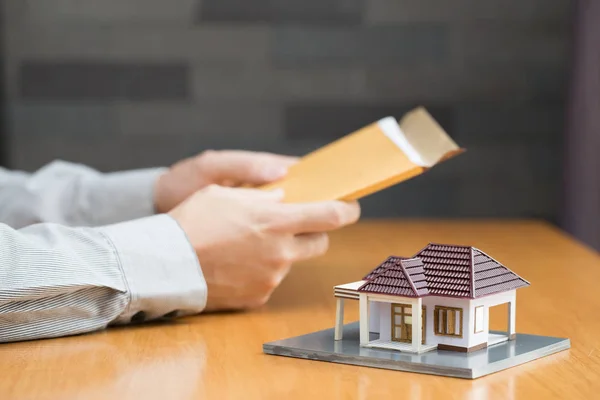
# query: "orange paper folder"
371, 159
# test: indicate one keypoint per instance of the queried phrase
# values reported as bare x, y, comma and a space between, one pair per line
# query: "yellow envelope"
369, 160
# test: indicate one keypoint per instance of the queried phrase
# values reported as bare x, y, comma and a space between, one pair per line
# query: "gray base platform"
321, 346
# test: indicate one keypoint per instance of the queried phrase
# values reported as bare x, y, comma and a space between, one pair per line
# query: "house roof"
448, 269
442, 270
390, 261
398, 276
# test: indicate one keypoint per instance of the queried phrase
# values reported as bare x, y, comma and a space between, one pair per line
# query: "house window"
448, 321
479, 319
402, 320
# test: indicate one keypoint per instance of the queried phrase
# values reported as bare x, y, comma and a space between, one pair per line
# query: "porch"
495, 338
407, 325
404, 347
341, 292
400, 329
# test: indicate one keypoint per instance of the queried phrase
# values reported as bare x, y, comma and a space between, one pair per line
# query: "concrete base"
321, 346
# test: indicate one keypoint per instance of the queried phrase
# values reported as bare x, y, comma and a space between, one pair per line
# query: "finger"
311, 245
249, 193
244, 167
315, 217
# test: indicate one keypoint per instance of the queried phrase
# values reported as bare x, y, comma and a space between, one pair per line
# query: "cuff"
122, 196
160, 268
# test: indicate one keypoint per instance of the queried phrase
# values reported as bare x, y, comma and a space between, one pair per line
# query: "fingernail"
273, 173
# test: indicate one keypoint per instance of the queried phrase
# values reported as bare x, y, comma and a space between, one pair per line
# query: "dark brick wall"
128, 83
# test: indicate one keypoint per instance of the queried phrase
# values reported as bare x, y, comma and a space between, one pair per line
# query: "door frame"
402, 324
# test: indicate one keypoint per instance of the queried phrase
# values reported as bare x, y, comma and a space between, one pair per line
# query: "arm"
75, 195
57, 281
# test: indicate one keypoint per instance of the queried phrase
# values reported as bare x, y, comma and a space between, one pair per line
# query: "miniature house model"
438, 299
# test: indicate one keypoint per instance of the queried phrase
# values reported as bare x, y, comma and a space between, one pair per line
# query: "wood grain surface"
219, 356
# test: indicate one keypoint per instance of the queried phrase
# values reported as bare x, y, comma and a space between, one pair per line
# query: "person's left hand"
223, 167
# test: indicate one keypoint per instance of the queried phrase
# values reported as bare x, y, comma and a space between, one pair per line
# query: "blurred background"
121, 84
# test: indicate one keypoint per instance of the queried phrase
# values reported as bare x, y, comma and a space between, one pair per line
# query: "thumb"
246, 167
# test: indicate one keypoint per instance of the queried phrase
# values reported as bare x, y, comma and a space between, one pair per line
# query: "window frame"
437, 312
475, 319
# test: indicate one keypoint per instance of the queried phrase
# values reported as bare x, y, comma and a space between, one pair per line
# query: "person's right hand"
247, 239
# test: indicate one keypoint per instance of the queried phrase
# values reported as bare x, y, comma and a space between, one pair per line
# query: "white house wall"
374, 317
487, 302
380, 316
385, 326
431, 338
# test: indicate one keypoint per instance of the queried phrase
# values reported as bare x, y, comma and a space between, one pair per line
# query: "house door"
402, 323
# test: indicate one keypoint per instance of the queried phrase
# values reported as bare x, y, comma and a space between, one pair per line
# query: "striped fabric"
57, 280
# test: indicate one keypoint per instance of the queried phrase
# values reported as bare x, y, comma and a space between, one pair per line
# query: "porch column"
417, 305
339, 319
364, 318
512, 318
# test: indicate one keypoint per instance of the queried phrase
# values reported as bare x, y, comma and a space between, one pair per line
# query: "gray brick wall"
130, 83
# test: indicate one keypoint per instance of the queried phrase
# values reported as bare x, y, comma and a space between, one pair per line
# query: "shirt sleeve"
58, 281
75, 195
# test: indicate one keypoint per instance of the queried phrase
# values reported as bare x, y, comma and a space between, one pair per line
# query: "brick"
233, 82
546, 161
421, 196
206, 45
320, 83
262, 83
331, 120
505, 123
458, 11
514, 45
424, 83
229, 119
125, 152
209, 47
489, 162
106, 155
112, 11
62, 121
511, 84
389, 45
283, 11
235, 11
506, 198
549, 84
103, 81
303, 45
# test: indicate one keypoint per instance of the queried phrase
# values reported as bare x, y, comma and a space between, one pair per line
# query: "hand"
247, 239
224, 168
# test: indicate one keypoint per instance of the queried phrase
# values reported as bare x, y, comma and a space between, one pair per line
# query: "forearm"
74, 195
57, 281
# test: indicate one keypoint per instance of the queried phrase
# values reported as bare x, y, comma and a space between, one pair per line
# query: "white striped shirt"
81, 250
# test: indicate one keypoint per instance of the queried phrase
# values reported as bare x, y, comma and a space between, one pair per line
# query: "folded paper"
371, 159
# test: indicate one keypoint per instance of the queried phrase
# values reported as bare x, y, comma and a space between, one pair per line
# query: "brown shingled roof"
448, 269
442, 270
390, 261
492, 277
400, 277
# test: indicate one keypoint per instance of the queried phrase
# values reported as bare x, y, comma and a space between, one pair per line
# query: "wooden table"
220, 356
